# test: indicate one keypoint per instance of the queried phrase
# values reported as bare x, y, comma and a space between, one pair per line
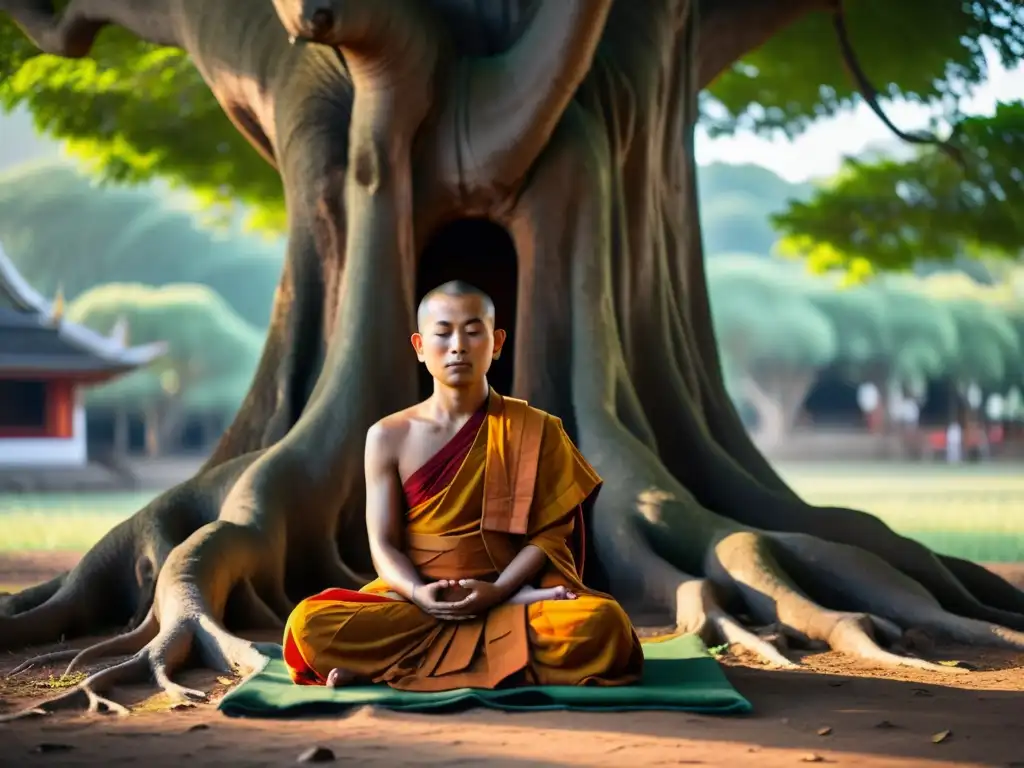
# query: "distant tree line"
780, 329
64, 231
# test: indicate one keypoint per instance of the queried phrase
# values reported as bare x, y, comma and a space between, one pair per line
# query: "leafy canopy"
177, 132
913, 49
889, 214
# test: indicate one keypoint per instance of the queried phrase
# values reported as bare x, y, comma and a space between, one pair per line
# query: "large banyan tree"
543, 150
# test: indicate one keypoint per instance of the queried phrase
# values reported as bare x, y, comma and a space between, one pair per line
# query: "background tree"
773, 338
988, 346
987, 318
736, 205
923, 334
62, 229
577, 140
858, 316
1015, 367
209, 350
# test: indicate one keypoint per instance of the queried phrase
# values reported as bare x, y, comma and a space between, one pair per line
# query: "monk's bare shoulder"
387, 436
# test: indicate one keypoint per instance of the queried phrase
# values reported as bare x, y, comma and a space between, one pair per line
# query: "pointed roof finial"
57, 307
119, 333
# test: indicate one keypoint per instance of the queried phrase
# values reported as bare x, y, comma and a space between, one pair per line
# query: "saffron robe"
511, 477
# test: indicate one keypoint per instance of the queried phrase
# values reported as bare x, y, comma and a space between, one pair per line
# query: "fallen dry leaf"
941, 736
225, 681
825, 731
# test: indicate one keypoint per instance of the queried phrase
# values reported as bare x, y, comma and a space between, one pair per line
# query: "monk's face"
457, 339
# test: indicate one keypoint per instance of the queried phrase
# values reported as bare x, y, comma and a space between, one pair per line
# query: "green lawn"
975, 512
62, 521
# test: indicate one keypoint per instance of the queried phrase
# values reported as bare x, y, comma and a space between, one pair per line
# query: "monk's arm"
384, 515
521, 571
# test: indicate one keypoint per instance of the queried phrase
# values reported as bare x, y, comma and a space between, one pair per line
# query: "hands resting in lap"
475, 598
478, 597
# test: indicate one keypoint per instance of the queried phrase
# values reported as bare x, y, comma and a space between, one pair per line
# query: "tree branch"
72, 33
506, 106
376, 37
730, 29
870, 93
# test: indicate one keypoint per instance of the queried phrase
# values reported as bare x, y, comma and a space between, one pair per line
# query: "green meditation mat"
679, 675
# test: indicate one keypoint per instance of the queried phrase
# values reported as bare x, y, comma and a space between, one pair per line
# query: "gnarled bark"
595, 186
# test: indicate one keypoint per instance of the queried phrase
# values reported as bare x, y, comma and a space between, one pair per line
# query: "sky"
819, 151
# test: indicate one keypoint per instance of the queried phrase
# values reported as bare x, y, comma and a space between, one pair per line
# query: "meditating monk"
478, 583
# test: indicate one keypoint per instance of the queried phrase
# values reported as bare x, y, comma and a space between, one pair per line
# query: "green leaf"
890, 214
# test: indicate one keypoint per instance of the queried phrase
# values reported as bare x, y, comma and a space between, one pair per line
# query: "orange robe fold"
511, 477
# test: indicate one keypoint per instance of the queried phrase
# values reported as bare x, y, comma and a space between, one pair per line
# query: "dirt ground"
837, 711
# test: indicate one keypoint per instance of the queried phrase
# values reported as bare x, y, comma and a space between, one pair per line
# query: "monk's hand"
428, 598
483, 595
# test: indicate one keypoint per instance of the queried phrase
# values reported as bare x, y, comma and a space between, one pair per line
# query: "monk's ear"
417, 344
499, 341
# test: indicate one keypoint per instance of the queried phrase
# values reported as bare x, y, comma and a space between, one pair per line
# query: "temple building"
45, 361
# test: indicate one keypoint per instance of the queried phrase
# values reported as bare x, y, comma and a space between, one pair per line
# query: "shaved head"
456, 289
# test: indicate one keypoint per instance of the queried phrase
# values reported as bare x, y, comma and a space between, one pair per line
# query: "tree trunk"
578, 213
120, 433
787, 389
153, 432
771, 418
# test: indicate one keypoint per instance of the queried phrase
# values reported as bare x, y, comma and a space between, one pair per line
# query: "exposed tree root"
32, 597
693, 456
987, 587
696, 607
873, 607
246, 610
866, 603
860, 602
166, 651
129, 642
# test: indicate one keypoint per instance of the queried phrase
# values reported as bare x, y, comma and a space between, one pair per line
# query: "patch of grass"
975, 511
62, 521
970, 511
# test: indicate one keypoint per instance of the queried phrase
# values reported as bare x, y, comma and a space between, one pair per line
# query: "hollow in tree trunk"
558, 176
